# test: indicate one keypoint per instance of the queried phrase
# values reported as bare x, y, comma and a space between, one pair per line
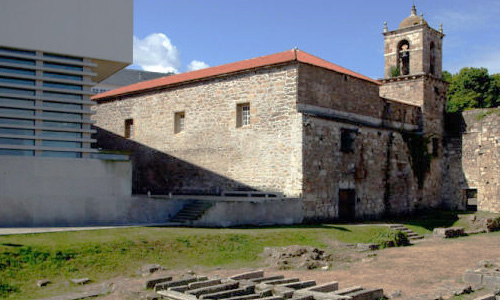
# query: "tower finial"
441, 27
385, 26
413, 10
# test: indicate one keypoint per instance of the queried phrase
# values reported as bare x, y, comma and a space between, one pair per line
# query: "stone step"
248, 275
182, 282
348, 290
202, 284
151, 283
229, 293
269, 278
325, 288
300, 285
282, 281
191, 211
214, 289
246, 297
372, 294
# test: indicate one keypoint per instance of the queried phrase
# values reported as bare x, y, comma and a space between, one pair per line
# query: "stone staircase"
412, 236
192, 211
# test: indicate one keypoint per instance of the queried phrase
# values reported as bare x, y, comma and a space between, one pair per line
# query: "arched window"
432, 61
404, 57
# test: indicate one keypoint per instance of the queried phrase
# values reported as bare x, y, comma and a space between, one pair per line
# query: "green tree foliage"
472, 88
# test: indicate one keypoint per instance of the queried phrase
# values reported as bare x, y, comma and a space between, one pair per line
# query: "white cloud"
196, 65
156, 53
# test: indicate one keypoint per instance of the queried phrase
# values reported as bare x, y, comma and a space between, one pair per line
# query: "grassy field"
104, 254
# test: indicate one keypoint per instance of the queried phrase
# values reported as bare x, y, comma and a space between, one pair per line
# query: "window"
17, 71
347, 137
56, 124
404, 57
129, 128
179, 122
435, 146
62, 95
432, 58
243, 114
63, 76
62, 86
62, 66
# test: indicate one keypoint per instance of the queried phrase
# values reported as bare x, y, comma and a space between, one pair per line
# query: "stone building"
291, 123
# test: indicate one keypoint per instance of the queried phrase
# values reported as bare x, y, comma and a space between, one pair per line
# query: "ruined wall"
481, 156
454, 181
212, 154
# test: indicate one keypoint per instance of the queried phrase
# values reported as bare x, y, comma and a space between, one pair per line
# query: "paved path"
30, 230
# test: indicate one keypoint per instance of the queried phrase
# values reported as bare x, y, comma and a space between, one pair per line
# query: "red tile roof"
263, 61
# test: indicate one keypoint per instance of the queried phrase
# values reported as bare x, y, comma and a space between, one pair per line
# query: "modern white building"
51, 54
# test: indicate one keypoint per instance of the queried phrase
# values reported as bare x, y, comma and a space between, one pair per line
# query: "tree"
472, 88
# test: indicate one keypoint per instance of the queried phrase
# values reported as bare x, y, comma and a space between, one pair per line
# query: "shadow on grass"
11, 245
296, 226
431, 219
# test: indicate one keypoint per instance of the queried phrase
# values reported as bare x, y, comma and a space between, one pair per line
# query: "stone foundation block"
449, 232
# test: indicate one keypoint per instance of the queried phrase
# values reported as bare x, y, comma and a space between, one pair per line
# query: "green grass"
104, 254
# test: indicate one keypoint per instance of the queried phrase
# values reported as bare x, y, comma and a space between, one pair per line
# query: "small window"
435, 146
129, 128
179, 122
347, 137
243, 114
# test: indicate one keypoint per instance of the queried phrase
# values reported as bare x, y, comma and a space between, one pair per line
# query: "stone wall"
212, 154
481, 156
379, 167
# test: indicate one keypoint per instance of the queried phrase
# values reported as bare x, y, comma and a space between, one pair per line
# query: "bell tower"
413, 74
413, 56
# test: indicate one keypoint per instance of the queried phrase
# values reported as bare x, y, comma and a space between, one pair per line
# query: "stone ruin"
486, 274
255, 285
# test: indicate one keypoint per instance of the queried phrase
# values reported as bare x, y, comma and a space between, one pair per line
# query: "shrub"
391, 238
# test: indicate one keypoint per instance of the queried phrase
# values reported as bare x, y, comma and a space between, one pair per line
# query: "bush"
391, 238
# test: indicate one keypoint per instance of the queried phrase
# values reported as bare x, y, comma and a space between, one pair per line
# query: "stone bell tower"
413, 69
413, 74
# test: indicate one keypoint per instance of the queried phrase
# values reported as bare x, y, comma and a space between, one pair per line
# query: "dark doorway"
471, 199
347, 204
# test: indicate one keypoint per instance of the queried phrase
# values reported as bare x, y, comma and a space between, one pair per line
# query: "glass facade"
45, 104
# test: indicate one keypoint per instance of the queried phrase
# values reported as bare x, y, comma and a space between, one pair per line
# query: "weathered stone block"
486, 297
325, 288
449, 232
150, 283
249, 275
473, 278
491, 280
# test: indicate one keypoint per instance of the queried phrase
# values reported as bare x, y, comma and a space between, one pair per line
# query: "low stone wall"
232, 212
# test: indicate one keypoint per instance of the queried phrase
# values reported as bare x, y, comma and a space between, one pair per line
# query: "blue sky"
183, 35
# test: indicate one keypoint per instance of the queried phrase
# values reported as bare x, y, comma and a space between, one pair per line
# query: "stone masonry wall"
212, 154
481, 156
378, 168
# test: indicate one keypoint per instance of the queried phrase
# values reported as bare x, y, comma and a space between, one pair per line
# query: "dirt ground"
426, 270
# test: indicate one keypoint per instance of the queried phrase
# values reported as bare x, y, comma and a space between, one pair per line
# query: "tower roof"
412, 20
